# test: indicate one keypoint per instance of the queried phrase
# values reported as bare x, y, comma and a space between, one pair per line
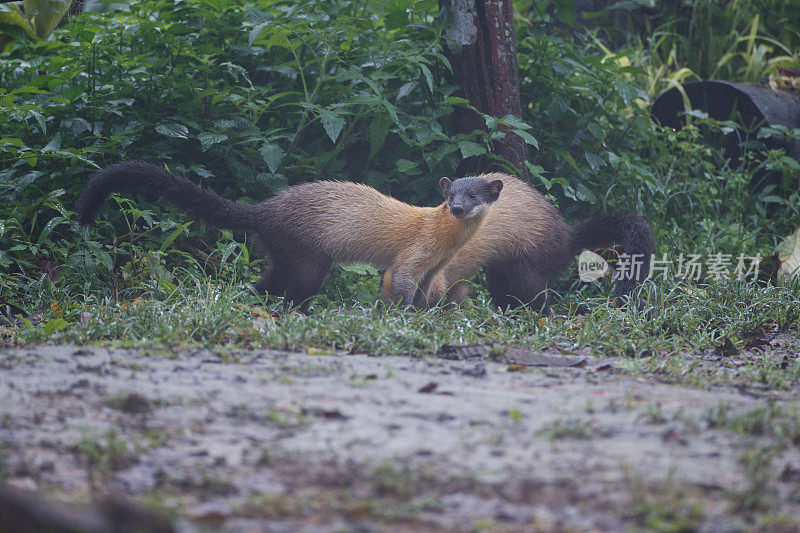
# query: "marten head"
470, 197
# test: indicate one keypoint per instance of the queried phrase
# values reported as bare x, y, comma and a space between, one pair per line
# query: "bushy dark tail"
624, 228
139, 176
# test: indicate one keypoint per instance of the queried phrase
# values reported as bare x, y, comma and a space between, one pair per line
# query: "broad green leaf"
272, 154
332, 122
527, 137
44, 15
626, 91
404, 165
396, 19
216, 5
565, 12
237, 72
27, 89
469, 148
515, 122
40, 119
405, 90
175, 130
594, 160
392, 110
105, 258
571, 161
428, 76
584, 193
456, 100
280, 36
255, 32
378, 129
5, 260
53, 325
167, 286
207, 140
595, 130
48, 228
257, 16
229, 249
14, 17
54, 144
11, 141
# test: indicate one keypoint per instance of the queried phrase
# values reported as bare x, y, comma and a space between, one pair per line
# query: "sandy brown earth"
251, 440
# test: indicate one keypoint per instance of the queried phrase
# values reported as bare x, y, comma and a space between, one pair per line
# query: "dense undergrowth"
248, 97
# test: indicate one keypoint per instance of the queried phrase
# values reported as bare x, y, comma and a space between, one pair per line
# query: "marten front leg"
386, 284
391, 292
440, 292
403, 283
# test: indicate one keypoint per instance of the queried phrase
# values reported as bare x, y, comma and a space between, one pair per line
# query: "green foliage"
589, 117
599, 151
734, 40
668, 508
771, 420
255, 96
248, 97
737, 40
44, 15
104, 455
701, 195
37, 18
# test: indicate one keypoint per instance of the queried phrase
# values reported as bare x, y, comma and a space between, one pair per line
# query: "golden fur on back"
352, 222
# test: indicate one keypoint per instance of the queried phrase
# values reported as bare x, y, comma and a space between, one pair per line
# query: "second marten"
524, 244
306, 228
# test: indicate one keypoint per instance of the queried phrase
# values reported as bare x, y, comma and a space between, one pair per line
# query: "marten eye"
472, 196
450, 198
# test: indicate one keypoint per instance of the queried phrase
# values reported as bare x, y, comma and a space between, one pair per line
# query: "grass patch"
567, 429
777, 422
760, 494
668, 508
678, 324
388, 493
104, 455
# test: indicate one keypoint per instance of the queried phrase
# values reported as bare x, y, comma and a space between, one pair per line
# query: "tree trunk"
481, 48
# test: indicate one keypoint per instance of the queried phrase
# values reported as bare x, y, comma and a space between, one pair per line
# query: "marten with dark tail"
524, 244
306, 228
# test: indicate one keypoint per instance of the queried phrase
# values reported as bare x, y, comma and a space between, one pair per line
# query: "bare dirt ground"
250, 440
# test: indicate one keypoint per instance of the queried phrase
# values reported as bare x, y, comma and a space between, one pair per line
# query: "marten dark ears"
494, 188
445, 184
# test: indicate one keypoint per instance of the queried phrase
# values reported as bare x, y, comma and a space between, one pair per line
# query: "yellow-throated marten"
306, 228
524, 243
